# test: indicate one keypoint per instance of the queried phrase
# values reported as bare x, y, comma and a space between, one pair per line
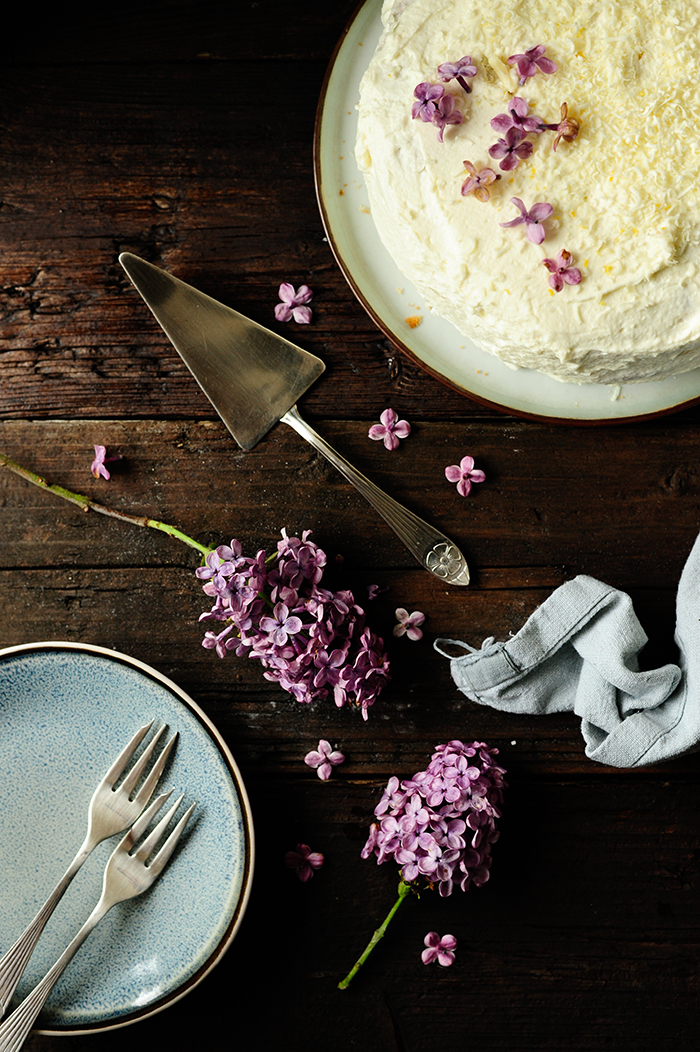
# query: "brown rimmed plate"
389, 299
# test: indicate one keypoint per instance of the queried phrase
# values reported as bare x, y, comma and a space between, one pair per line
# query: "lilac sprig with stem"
309, 639
438, 826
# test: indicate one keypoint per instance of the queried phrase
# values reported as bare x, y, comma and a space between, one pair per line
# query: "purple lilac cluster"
440, 824
309, 639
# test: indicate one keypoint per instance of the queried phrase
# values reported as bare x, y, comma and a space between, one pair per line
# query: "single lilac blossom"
561, 272
458, 71
511, 150
533, 219
304, 861
281, 625
408, 624
375, 590
440, 949
478, 182
517, 116
98, 465
324, 759
464, 475
426, 95
566, 127
293, 303
445, 114
439, 827
390, 430
314, 642
529, 62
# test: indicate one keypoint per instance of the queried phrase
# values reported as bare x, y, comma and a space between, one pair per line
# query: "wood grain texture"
184, 133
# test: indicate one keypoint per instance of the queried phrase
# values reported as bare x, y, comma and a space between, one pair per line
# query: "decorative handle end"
447, 562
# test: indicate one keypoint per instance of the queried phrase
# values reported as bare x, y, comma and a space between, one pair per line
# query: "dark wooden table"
183, 132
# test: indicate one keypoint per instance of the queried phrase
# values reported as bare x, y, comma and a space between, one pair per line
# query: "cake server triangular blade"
253, 378
249, 374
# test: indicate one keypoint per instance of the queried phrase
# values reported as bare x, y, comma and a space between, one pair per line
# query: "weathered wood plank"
622, 505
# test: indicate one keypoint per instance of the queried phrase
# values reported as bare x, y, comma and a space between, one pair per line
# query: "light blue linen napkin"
579, 652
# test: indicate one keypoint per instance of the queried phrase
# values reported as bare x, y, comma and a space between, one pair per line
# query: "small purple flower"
426, 95
293, 303
439, 949
408, 623
375, 590
512, 149
518, 116
478, 182
566, 129
98, 465
529, 62
304, 861
390, 430
445, 113
324, 759
281, 625
561, 271
458, 71
464, 474
533, 219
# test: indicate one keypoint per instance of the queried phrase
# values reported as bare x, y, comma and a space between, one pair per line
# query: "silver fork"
126, 875
111, 811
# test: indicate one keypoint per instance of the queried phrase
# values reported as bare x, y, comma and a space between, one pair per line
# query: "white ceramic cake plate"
66, 711
390, 299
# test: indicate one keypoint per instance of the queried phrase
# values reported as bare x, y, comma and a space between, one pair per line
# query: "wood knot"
677, 481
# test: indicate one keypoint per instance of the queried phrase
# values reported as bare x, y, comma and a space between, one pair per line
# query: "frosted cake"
577, 120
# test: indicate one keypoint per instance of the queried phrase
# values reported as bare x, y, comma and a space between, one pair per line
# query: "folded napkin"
579, 652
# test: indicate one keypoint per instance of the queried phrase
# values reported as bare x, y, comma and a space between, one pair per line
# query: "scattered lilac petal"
529, 62
446, 114
561, 271
375, 590
464, 475
533, 219
458, 71
408, 624
518, 116
511, 150
324, 759
478, 182
566, 129
293, 303
390, 430
98, 465
304, 861
426, 95
440, 949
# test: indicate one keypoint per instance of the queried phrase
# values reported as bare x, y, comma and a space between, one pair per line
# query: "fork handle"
17, 1025
13, 963
434, 551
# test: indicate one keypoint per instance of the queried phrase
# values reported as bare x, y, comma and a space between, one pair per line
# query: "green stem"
91, 505
404, 890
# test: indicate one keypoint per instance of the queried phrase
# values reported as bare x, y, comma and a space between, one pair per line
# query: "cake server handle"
435, 552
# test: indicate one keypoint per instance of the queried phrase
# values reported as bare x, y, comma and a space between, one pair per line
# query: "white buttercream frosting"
625, 192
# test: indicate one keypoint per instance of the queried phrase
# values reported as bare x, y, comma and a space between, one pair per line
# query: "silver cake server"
253, 379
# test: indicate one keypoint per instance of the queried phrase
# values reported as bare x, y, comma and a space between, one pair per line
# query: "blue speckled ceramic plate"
66, 711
